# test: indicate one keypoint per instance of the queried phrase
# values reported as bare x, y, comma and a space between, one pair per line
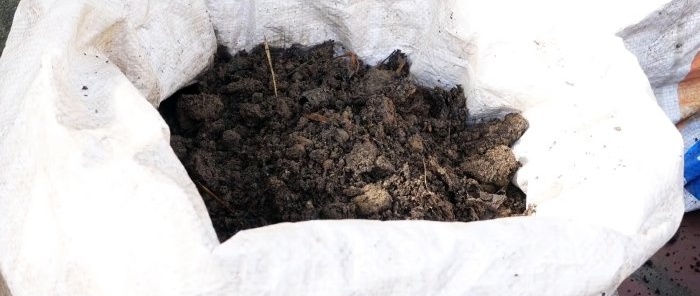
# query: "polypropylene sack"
94, 201
667, 44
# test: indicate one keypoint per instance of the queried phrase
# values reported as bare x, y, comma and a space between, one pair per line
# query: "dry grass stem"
269, 62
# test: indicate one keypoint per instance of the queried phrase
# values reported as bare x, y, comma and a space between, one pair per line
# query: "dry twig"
425, 177
316, 117
269, 62
216, 197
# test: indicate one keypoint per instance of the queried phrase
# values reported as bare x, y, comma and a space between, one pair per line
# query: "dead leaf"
316, 117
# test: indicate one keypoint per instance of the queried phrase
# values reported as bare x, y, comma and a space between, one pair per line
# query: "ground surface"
7, 12
675, 269
340, 140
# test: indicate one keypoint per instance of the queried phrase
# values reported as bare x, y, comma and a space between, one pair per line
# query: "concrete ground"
675, 269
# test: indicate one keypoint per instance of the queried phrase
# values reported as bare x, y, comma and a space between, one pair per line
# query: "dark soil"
341, 140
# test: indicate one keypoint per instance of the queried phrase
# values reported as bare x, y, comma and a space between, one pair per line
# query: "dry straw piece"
269, 62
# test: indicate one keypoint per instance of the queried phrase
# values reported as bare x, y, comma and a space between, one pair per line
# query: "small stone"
341, 135
416, 143
374, 200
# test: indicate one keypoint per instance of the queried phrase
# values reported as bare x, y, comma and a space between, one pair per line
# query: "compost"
333, 138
